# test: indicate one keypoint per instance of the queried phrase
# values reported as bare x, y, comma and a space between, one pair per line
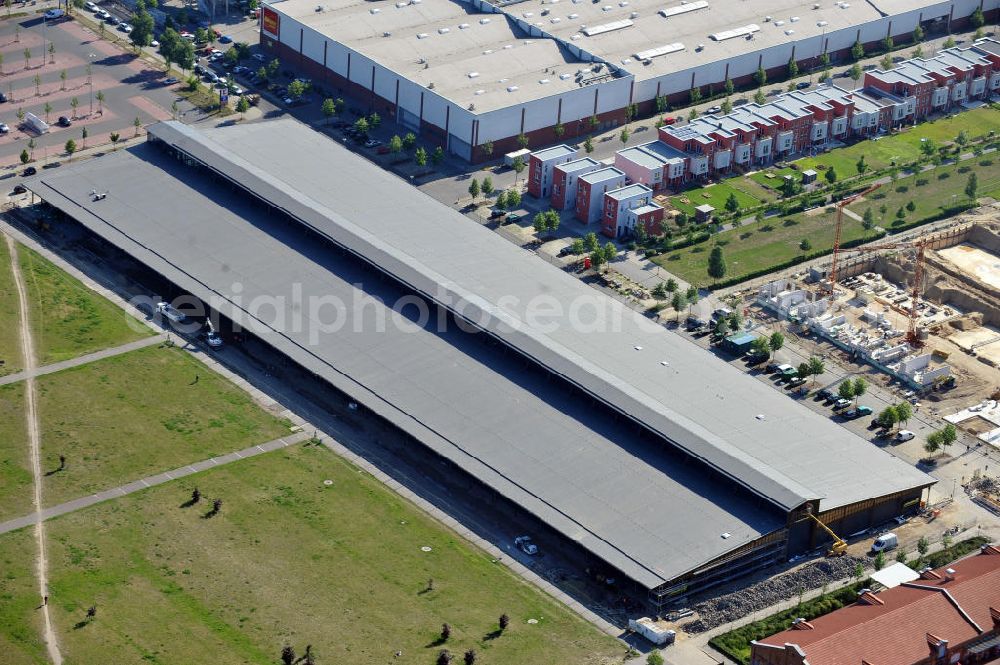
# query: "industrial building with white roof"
654, 457
471, 75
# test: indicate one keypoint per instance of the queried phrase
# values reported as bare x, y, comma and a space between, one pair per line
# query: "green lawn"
773, 183
905, 146
10, 341
753, 247
15, 468
67, 318
713, 195
20, 621
289, 560
137, 414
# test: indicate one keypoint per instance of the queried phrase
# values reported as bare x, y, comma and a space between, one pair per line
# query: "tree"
858, 50
933, 443
590, 242
242, 106
962, 139
691, 296
420, 156
816, 366
396, 147
409, 140
487, 186
888, 418
588, 145
732, 203
879, 561
624, 136
776, 341
74, 104
501, 201
901, 556
831, 175
868, 220
48, 109
374, 120
976, 18
846, 390
559, 130
328, 108
610, 251
671, 285
83, 135
513, 198
861, 165
859, 388
287, 655
922, 546
27, 57
445, 632
917, 52
972, 186
473, 187
184, 55
948, 435
949, 43
503, 622
761, 347
903, 412
692, 115
518, 166
437, 156
115, 137
927, 148
911, 205
716, 264
37, 80
918, 34
721, 328
886, 62
232, 57
136, 124
142, 26
62, 80
297, 88
727, 106
444, 657
678, 303
759, 97
660, 291
470, 657
522, 141
577, 246
596, 259
25, 157
70, 148
654, 658
360, 125
793, 68
695, 95
887, 44
760, 77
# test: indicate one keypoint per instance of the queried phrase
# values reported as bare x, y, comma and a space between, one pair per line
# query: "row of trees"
895, 414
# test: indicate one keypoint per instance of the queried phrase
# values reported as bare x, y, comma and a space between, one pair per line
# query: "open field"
10, 343
905, 146
143, 412
20, 621
713, 195
288, 560
67, 319
15, 468
760, 245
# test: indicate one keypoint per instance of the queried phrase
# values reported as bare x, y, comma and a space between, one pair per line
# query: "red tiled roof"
894, 633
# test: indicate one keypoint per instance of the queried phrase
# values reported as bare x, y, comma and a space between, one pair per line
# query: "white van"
885, 542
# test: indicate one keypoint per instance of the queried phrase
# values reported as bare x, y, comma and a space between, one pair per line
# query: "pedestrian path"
83, 360
151, 481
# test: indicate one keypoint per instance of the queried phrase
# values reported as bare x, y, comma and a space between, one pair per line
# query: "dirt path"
34, 442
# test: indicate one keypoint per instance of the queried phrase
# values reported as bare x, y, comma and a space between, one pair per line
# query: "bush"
956, 551
920, 182
944, 175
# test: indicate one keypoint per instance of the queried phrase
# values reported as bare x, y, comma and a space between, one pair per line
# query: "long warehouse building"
474, 75
657, 458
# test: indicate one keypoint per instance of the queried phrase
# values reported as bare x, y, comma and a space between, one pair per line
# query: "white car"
904, 435
171, 312
101, 14
4, 128
259, 57
125, 27
213, 339
91, 7
524, 544
154, 44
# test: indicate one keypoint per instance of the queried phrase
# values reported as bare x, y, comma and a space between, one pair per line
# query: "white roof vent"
555, 19
422, 35
633, 15
575, 37
463, 26
508, 46
607, 8
444, 31
564, 77
415, 2
488, 51
727, 536
822, 24
573, 16
528, 14
484, 21
479, 92
503, 80
623, 3
779, 23
794, 19
543, 81
512, 88
374, 10
473, 75
789, 32
402, 3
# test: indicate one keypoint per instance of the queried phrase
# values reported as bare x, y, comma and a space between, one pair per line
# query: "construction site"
925, 311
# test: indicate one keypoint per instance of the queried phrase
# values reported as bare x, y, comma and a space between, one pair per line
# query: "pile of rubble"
764, 594
984, 484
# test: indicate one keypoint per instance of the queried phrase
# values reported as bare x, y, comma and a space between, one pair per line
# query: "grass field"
20, 622
67, 318
753, 247
10, 341
289, 560
143, 413
15, 468
905, 146
713, 195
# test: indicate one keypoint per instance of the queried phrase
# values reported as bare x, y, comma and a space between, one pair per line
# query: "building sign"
270, 22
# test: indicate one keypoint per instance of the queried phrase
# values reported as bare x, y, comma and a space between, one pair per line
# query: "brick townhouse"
948, 616
627, 207
540, 165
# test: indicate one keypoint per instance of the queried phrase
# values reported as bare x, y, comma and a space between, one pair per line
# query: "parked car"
31, 170
802, 85
64, 121
187, 35
213, 340
124, 27
713, 109
170, 80
101, 14
19, 189
885, 542
524, 544
259, 57
852, 414
53, 14
225, 39
91, 7
841, 404
903, 435
3, 97
796, 382
372, 143
4, 128
826, 394
110, 19
669, 120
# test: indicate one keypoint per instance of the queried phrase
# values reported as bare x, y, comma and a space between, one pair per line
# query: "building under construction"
642, 451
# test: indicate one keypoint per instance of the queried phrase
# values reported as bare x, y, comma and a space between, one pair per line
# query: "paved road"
150, 481
83, 360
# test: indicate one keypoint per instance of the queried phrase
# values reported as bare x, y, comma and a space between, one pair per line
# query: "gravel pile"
764, 594
986, 485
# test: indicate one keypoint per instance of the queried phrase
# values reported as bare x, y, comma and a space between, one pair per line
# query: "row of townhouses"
755, 135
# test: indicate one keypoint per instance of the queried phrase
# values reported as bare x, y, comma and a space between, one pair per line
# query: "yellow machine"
839, 547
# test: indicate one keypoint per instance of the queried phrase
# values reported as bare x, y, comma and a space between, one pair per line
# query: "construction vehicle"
839, 547
838, 226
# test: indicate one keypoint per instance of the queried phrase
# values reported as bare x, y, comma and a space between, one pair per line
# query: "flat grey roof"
705, 406
645, 513
634, 505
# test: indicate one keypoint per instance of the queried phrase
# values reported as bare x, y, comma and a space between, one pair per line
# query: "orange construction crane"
837, 229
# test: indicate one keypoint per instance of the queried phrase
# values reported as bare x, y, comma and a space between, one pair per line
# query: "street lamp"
90, 81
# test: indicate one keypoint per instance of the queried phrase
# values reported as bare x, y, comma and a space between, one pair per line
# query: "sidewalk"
83, 360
